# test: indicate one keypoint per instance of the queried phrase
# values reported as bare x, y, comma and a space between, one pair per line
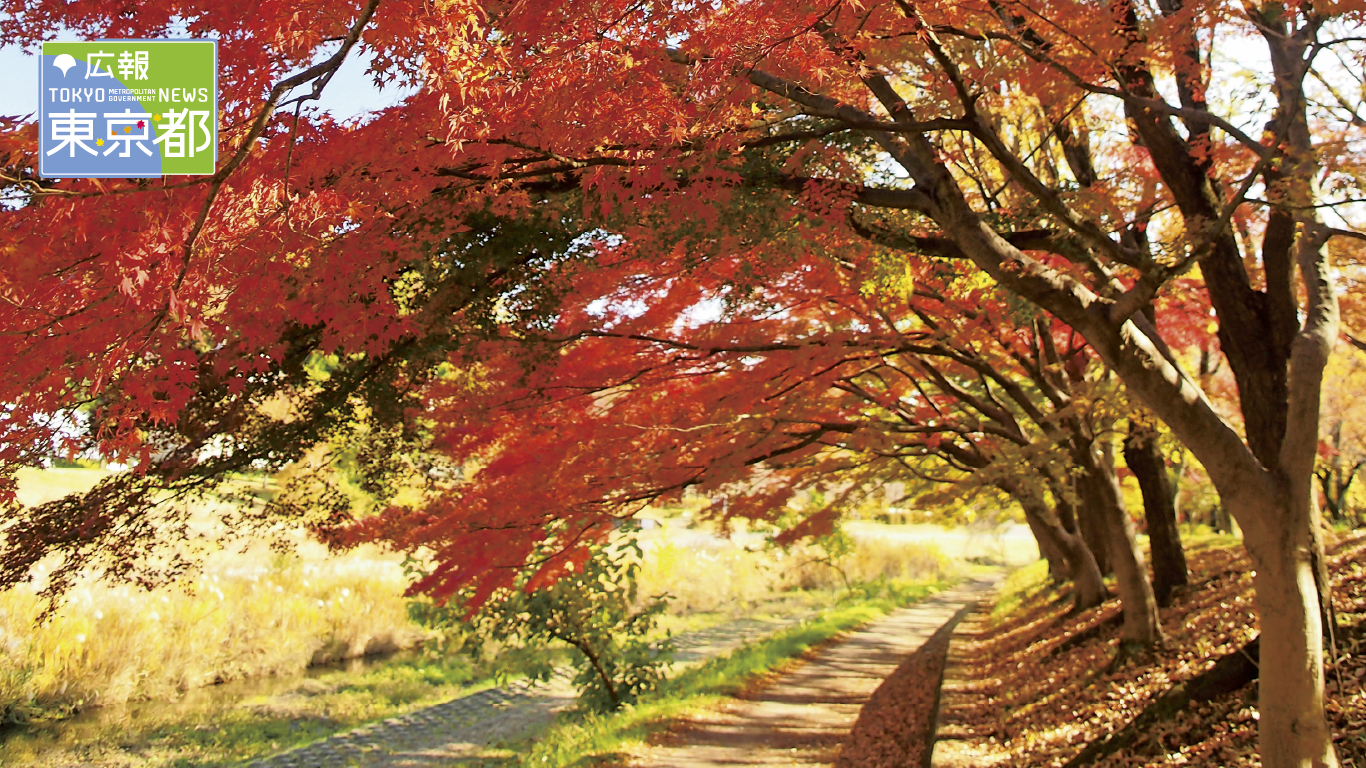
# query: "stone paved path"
802, 718
462, 731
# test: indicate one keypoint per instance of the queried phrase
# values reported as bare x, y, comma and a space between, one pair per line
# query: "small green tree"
832, 550
595, 611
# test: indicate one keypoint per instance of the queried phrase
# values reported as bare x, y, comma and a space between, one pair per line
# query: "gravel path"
469, 730
804, 717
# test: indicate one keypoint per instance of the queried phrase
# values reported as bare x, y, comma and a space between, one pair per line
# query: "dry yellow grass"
249, 611
708, 574
245, 614
37, 486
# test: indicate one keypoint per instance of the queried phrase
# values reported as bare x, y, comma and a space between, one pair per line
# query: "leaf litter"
1038, 685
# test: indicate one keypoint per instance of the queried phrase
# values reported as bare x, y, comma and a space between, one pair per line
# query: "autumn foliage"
607, 250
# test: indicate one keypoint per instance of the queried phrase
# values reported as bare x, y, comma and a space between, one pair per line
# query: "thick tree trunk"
1101, 495
1092, 528
1293, 731
1086, 576
1078, 523
1169, 561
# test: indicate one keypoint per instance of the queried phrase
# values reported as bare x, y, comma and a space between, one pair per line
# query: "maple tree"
808, 381
1039, 143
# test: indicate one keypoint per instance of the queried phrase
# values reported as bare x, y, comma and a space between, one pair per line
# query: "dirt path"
469, 730
802, 718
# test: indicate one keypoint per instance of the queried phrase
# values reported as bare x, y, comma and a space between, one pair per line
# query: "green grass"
779, 605
1018, 586
1197, 536
579, 739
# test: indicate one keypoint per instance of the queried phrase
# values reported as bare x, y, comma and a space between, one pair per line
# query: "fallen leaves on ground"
895, 726
1035, 688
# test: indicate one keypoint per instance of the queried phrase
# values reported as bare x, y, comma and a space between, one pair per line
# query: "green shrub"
594, 610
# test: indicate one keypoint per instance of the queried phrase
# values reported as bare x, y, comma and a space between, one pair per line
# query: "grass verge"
1020, 585
579, 739
227, 724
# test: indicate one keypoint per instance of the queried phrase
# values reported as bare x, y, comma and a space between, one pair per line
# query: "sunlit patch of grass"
37, 486
582, 739
1197, 537
1001, 545
714, 577
777, 606
872, 559
1017, 586
717, 576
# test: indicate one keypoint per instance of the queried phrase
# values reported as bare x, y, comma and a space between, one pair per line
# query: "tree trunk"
1101, 495
1086, 576
1092, 528
1332, 481
1174, 486
1049, 549
1077, 522
1081, 565
1330, 499
1336, 479
1067, 512
1293, 731
1169, 561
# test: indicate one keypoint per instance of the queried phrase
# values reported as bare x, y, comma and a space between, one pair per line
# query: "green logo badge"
128, 108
